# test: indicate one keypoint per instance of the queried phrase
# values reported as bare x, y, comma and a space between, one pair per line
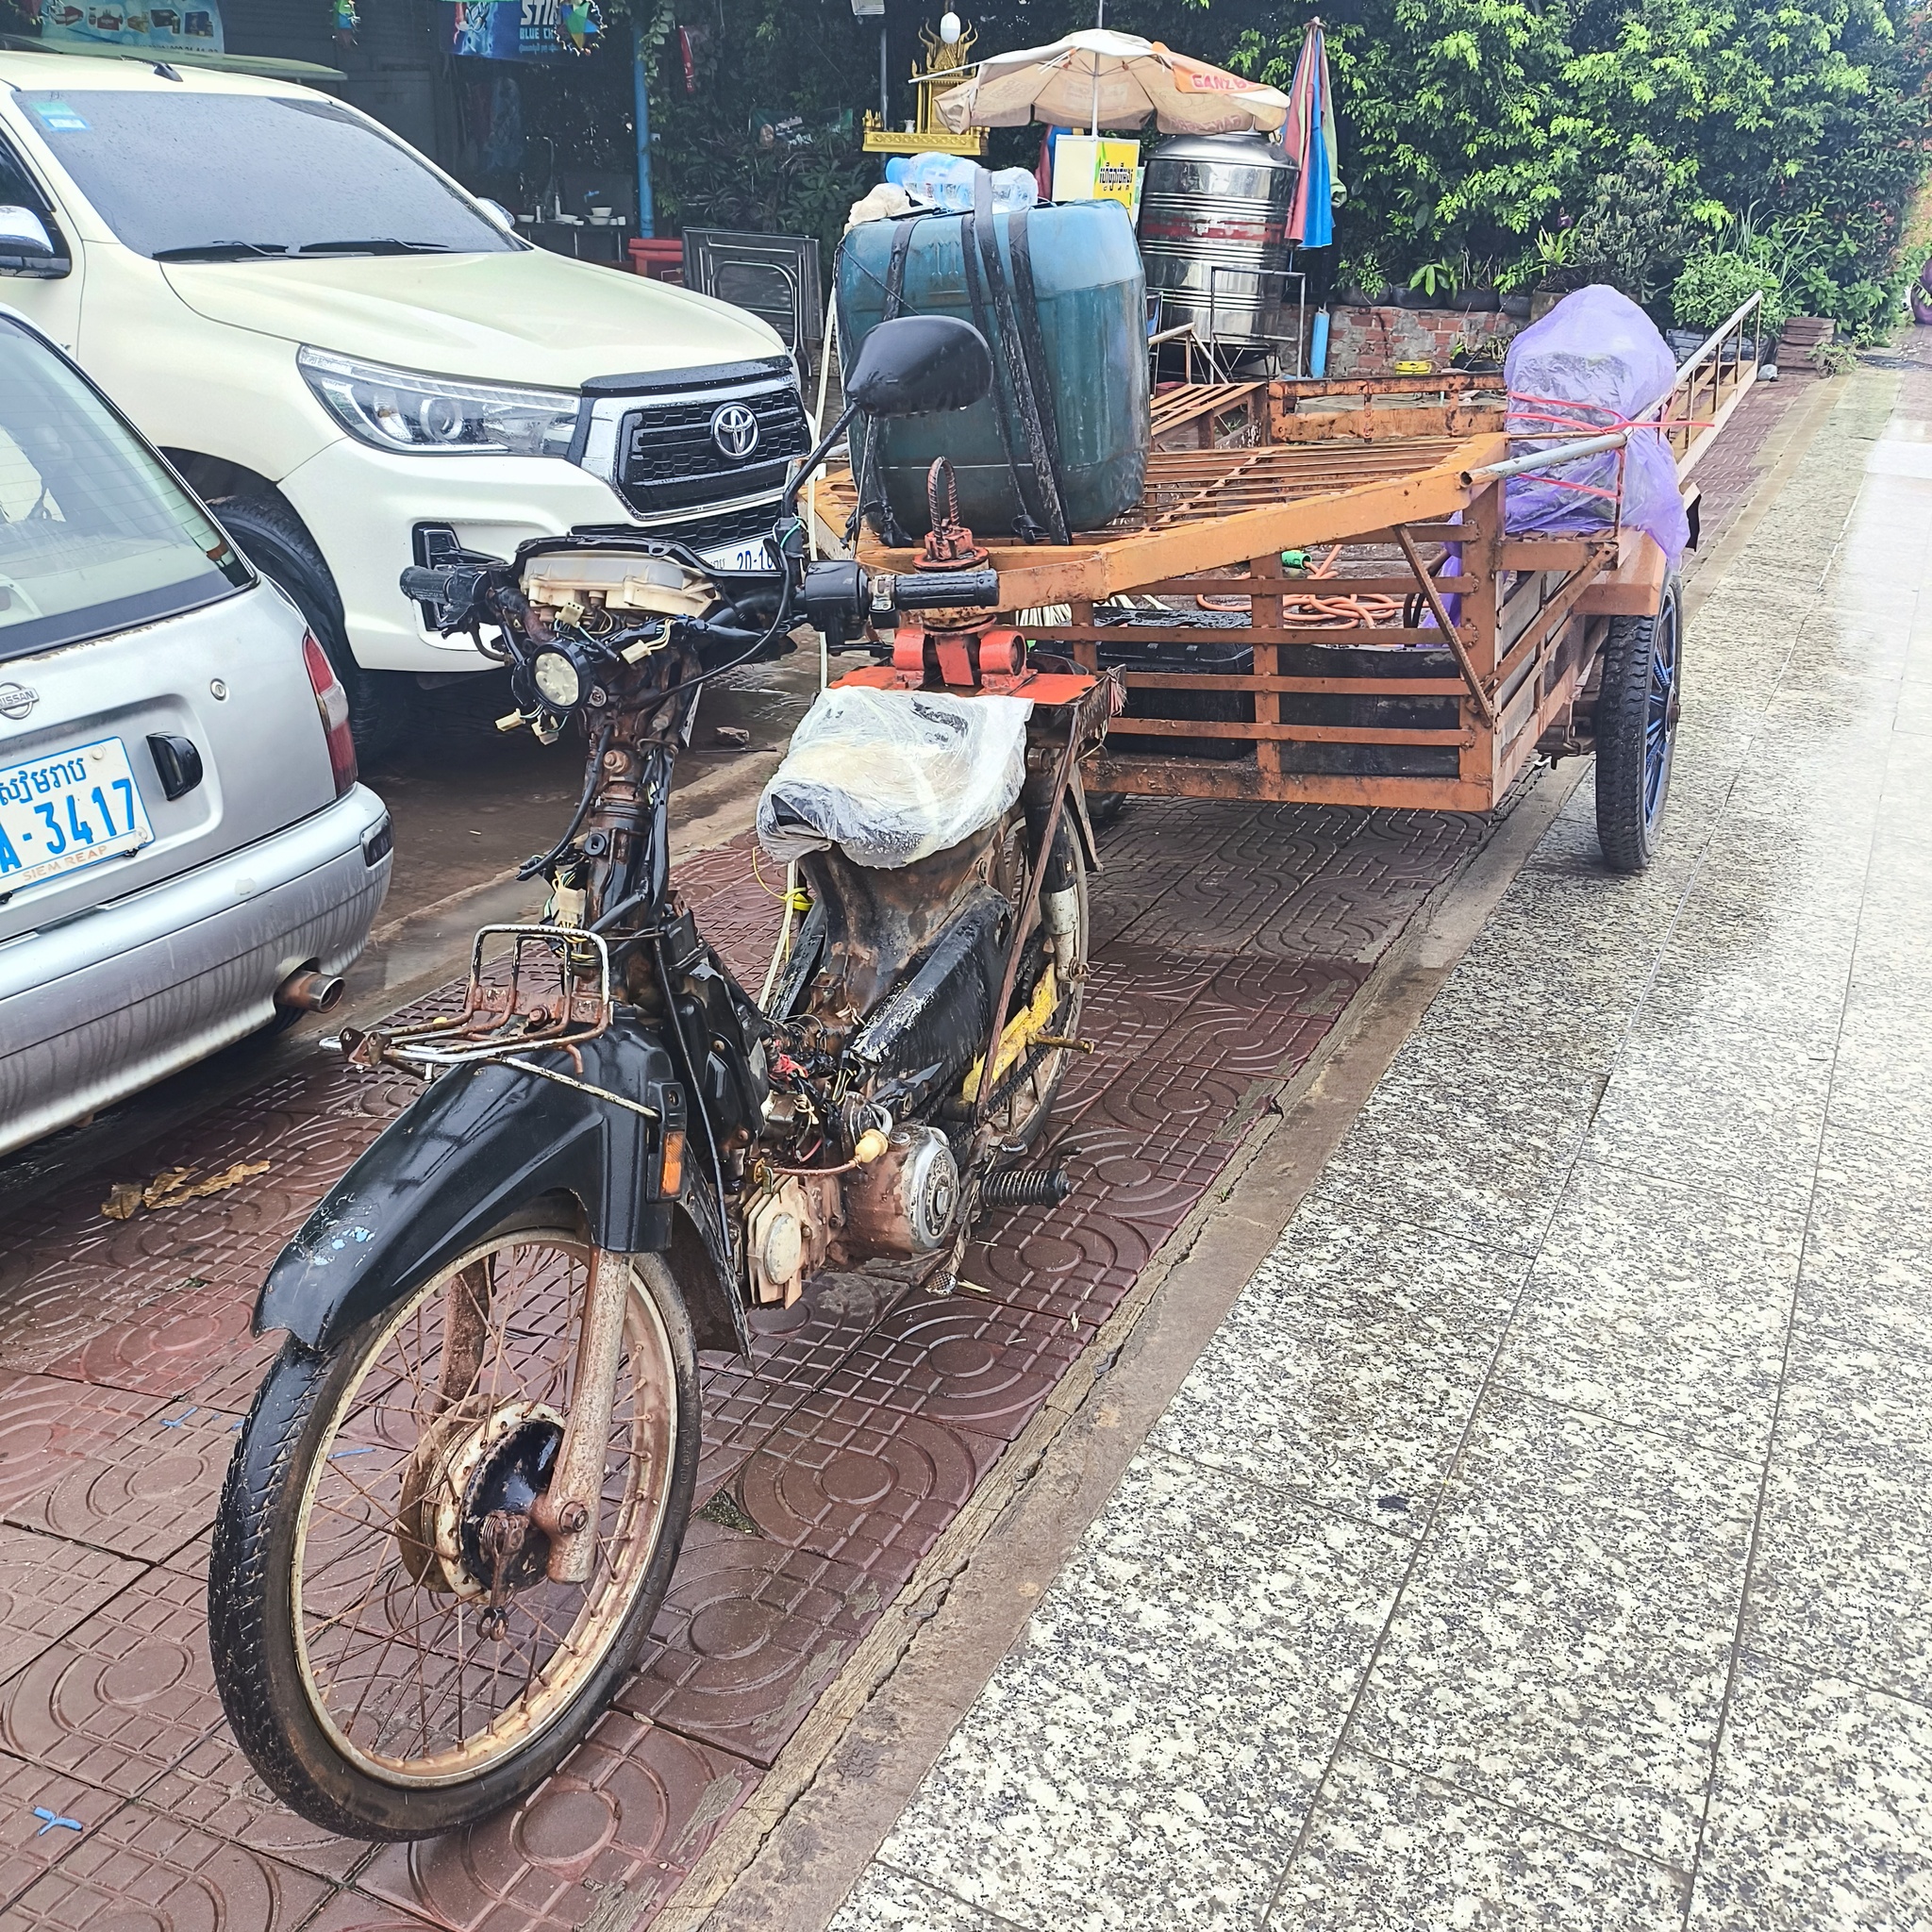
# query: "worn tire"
381, 703
251, 1593
1639, 692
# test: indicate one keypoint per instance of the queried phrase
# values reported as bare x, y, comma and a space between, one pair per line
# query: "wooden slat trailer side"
1426, 656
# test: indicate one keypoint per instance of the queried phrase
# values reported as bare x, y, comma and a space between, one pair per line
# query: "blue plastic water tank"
1091, 301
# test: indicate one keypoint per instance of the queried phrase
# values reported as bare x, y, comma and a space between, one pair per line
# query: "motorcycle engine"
906, 1201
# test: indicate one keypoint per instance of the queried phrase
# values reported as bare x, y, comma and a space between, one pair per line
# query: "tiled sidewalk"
1543, 1540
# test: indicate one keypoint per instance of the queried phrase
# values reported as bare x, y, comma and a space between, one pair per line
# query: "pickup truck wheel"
380, 701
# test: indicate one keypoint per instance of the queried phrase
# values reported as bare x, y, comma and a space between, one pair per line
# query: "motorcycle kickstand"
567, 1511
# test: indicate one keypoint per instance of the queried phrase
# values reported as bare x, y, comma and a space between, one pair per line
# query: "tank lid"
1238, 150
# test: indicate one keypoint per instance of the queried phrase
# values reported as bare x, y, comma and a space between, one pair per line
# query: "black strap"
982, 318
1013, 352
1034, 343
870, 468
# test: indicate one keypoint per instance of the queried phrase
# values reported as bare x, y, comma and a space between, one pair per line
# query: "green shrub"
1716, 283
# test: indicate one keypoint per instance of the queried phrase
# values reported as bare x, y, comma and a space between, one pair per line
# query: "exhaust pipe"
308, 990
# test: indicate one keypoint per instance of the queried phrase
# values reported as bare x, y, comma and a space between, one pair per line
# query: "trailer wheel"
1637, 707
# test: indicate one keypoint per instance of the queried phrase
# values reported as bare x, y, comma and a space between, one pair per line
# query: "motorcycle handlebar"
935, 590
431, 586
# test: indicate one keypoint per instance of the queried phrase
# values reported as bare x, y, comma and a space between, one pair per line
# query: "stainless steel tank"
1214, 214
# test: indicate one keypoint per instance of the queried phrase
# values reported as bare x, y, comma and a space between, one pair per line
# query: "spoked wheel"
1637, 728
390, 1649
1023, 1095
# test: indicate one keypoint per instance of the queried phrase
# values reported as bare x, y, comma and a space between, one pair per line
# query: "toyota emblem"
17, 700
735, 430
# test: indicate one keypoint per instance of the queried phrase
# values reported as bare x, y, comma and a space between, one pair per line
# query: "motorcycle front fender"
483, 1140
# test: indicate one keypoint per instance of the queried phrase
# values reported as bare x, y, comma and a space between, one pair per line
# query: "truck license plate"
61, 813
748, 556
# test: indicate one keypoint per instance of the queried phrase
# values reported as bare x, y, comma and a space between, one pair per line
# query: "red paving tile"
851, 1477
126, 1694
1229, 939
144, 1871
960, 1359
48, 1589
750, 1634
634, 1807
43, 1816
145, 1495
216, 1790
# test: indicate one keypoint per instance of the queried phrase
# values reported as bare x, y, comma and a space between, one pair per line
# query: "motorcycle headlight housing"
558, 682
431, 415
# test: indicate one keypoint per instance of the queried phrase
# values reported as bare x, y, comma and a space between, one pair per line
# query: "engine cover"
788, 1236
908, 1201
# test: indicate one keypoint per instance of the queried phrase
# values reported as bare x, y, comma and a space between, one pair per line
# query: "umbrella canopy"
1098, 78
1308, 136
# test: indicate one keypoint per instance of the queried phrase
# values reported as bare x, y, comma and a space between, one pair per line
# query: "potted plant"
1514, 282
1360, 281
1476, 294
1431, 286
1549, 271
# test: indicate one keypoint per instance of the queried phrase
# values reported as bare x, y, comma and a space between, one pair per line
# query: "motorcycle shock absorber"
1025, 1187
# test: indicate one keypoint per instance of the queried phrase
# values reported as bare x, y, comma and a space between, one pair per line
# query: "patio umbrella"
1308, 136
1098, 78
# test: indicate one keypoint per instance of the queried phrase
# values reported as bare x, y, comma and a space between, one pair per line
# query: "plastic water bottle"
949, 181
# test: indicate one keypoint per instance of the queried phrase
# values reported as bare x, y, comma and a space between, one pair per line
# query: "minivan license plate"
73, 809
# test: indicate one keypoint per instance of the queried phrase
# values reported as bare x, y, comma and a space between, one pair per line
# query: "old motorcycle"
455, 1506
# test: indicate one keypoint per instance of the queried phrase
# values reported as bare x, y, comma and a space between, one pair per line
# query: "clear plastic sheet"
889, 776
1594, 363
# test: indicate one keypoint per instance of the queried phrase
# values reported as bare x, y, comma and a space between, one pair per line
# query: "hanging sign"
191, 29
504, 29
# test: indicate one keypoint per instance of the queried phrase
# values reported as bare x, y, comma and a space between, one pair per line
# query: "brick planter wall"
1370, 342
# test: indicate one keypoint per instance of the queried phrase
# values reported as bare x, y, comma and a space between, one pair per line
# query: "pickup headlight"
397, 409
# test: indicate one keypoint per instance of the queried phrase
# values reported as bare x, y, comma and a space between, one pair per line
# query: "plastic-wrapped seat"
891, 776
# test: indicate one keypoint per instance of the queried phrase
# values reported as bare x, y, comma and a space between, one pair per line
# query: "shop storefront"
495, 93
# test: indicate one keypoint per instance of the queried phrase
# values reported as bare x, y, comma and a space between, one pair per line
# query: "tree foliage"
1468, 127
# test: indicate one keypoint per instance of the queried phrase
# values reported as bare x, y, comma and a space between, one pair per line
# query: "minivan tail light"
332, 702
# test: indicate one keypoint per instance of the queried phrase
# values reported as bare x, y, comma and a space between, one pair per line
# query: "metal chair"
775, 276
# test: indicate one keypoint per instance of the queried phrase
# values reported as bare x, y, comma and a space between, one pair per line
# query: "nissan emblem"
735, 430
17, 700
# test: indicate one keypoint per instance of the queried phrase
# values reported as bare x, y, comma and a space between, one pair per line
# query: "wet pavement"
469, 801
1542, 1538
1228, 942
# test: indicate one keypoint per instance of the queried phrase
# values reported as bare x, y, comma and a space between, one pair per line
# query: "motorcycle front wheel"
375, 1685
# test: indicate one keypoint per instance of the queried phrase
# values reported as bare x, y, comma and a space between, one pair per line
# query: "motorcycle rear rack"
498, 1021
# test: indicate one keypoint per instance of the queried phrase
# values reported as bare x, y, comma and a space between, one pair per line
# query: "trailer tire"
1639, 695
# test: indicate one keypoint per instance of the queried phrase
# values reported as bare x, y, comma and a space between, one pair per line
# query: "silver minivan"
185, 852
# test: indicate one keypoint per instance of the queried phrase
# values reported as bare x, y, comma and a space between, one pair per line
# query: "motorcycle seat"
891, 776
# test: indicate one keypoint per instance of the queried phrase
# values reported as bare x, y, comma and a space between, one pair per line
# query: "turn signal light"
673, 1182
332, 702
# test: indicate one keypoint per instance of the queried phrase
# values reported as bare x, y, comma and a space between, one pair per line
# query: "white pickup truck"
358, 362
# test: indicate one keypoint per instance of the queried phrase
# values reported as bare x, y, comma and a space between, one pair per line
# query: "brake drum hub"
468, 1469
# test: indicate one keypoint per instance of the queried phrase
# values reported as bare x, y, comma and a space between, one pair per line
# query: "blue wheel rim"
1660, 713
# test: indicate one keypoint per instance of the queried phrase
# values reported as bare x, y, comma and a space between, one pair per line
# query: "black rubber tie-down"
982, 320
1013, 344
1033, 346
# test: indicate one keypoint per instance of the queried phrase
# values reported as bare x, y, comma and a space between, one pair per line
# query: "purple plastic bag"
1594, 363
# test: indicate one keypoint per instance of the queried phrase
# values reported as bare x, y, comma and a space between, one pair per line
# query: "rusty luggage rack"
1427, 657
503, 1021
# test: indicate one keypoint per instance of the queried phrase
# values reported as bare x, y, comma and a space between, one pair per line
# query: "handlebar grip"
423, 585
934, 590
